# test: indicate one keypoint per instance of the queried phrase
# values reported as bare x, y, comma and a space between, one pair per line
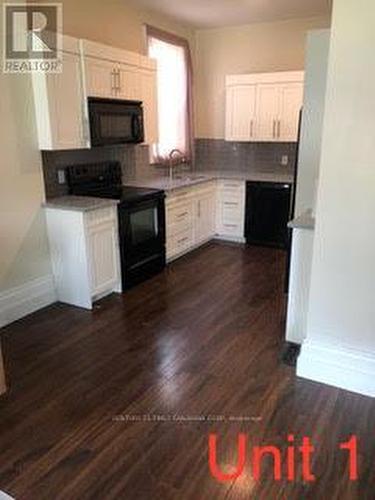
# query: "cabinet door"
291, 97
204, 220
102, 255
230, 210
240, 113
59, 106
128, 83
100, 78
268, 101
149, 99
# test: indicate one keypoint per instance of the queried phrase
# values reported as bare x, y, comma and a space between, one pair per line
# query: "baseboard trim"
20, 301
230, 239
339, 367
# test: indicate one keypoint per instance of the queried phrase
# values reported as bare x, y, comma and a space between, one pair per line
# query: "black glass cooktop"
125, 194
103, 180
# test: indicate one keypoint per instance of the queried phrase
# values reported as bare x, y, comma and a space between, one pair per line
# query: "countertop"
162, 181
303, 221
79, 203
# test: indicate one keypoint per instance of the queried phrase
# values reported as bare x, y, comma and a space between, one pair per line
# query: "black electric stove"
141, 218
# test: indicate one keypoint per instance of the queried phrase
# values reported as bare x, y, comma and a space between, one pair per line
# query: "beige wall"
252, 48
343, 288
23, 243
340, 344
114, 22
24, 253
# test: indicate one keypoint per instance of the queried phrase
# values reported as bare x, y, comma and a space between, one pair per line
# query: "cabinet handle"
230, 225
199, 208
274, 129
182, 240
231, 203
251, 128
279, 130
179, 216
113, 77
118, 80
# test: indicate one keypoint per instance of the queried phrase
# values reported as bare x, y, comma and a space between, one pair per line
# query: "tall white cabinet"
90, 69
263, 107
59, 102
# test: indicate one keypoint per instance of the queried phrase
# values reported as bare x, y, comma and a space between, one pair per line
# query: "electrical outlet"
284, 160
61, 176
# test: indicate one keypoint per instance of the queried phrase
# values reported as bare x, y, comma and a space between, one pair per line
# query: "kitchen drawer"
231, 217
179, 214
178, 196
179, 243
232, 205
178, 228
231, 188
229, 228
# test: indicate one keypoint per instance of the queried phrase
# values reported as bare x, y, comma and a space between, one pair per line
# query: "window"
174, 93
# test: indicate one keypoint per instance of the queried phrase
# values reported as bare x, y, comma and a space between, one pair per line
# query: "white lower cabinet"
102, 253
200, 213
204, 217
230, 210
85, 254
179, 225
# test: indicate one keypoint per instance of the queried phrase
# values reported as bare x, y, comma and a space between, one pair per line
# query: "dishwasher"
268, 206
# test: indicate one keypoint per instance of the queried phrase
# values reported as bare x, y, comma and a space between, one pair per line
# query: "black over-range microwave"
114, 121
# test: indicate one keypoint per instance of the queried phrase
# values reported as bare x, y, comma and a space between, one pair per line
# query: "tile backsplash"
134, 160
218, 154
210, 154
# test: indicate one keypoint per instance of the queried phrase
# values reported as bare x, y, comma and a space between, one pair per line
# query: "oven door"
142, 240
115, 122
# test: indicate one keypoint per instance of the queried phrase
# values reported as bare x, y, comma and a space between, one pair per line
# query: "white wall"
316, 64
340, 345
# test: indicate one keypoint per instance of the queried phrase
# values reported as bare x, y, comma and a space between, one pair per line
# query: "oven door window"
143, 225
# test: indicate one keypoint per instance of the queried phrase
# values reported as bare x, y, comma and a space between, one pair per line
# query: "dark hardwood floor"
201, 339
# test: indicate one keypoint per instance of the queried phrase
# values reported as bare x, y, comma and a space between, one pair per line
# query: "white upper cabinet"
128, 83
91, 69
291, 98
58, 99
100, 78
268, 98
119, 74
263, 107
241, 109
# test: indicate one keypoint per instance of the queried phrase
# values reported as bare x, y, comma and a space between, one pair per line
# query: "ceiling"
218, 13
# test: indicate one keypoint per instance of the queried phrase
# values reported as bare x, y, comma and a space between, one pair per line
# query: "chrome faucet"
174, 155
